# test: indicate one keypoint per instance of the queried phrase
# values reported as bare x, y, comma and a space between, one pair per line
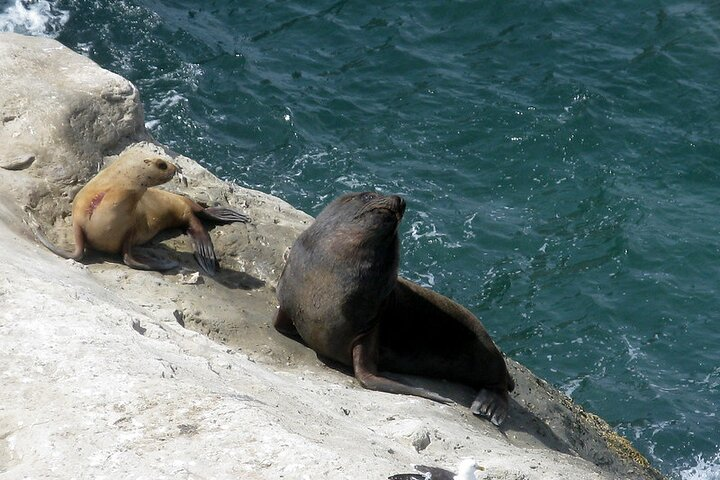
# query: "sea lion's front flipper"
76, 254
492, 404
284, 324
204, 250
364, 358
223, 215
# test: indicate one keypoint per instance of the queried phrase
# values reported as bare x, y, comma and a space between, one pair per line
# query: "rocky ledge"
109, 372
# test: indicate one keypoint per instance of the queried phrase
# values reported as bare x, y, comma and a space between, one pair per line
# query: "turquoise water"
560, 161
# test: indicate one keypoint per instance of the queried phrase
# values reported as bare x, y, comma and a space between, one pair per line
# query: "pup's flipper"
143, 262
204, 250
223, 215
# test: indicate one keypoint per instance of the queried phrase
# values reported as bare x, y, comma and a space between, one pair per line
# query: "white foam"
570, 387
33, 17
170, 100
703, 470
430, 231
426, 279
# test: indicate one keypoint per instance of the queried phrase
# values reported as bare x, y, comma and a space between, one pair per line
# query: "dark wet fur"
341, 293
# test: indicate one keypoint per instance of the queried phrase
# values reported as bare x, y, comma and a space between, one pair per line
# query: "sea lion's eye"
162, 165
366, 197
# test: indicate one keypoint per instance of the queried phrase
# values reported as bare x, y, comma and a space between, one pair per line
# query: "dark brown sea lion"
340, 292
117, 210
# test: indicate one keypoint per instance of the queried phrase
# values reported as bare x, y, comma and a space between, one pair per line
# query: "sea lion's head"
155, 171
364, 216
135, 169
143, 171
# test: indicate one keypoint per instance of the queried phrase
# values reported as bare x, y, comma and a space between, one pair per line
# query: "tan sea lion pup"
340, 292
117, 210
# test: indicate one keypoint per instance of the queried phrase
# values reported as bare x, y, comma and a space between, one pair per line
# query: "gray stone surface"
117, 373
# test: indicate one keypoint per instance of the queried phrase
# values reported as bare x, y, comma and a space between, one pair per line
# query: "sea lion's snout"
389, 208
151, 171
168, 167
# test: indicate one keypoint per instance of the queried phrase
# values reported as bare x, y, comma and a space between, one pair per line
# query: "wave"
703, 470
33, 17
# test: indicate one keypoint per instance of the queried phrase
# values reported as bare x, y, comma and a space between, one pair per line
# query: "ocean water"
560, 160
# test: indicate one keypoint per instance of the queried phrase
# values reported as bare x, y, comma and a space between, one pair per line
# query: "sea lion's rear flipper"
364, 358
492, 404
76, 254
142, 262
204, 250
223, 215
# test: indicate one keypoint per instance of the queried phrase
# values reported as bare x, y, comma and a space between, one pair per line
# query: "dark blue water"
560, 160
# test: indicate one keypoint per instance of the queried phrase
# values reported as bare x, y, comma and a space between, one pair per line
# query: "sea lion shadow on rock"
225, 276
157, 253
150, 251
522, 419
234, 279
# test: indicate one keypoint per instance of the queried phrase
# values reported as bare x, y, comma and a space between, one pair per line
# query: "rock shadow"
226, 277
521, 419
234, 279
